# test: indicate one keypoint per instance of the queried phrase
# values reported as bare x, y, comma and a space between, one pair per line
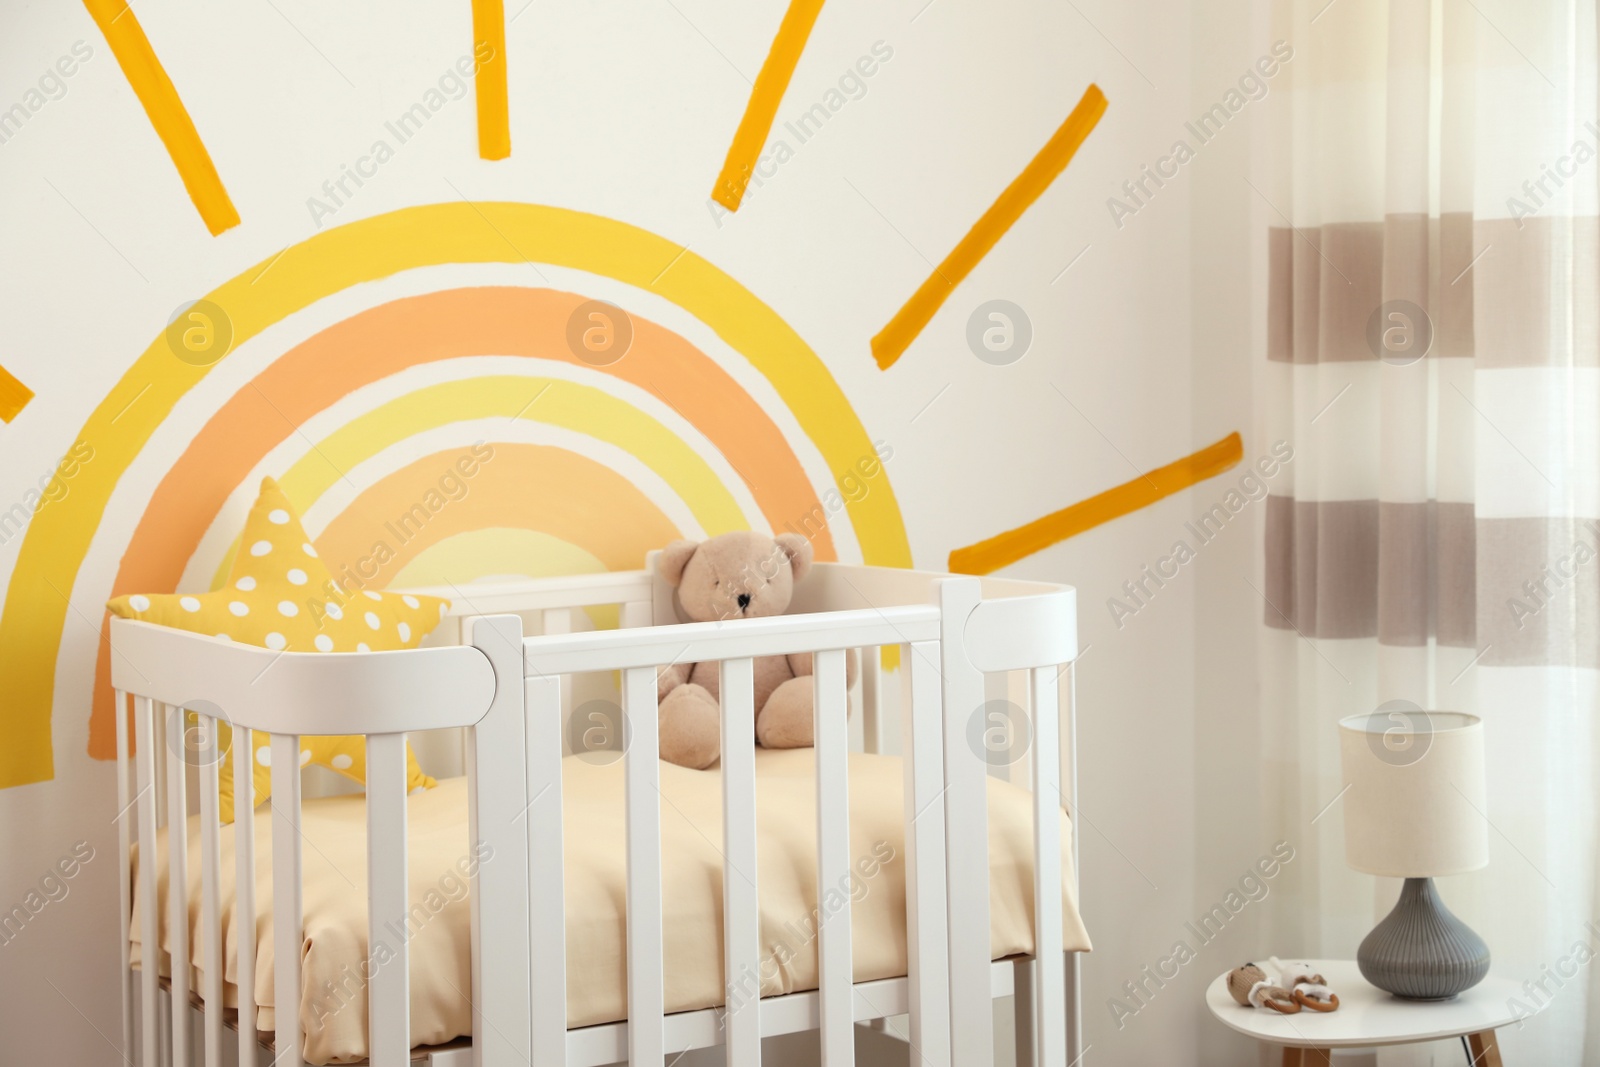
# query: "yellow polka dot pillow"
281, 596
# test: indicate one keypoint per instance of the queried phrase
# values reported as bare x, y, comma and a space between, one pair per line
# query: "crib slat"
210, 887
287, 919
389, 989
149, 917
178, 877
547, 926
741, 910
927, 947
1049, 985
124, 866
966, 806
835, 980
646, 992
244, 882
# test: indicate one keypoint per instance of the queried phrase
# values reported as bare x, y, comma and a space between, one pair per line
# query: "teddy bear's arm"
800, 663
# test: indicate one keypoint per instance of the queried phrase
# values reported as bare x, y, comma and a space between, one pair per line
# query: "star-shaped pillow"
281, 596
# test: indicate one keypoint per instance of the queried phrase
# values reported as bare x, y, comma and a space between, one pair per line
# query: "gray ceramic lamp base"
1421, 951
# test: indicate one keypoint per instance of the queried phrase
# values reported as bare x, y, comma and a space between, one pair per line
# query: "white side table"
1368, 1016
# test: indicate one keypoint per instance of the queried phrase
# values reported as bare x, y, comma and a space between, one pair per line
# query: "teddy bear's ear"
798, 549
674, 558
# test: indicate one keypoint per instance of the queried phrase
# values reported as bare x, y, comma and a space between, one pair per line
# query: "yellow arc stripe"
771, 84
891, 342
568, 405
14, 396
489, 49
1002, 550
165, 110
58, 537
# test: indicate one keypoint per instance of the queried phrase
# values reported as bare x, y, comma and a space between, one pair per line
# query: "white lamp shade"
1414, 805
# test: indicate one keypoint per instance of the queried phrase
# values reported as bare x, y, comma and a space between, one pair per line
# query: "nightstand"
1369, 1017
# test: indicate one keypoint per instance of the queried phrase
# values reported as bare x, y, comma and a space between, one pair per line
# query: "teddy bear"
739, 575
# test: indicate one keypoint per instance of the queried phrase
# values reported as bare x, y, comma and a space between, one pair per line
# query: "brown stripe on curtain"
1324, 283
1363, 568
1280, 294
1342, 279
1453, 322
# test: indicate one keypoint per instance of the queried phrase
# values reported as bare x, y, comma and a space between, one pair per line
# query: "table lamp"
1414, 809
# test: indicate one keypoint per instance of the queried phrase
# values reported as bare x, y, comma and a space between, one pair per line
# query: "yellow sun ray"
771, 84
166, 111
489, 47
14, 396
1004, 549
891, 342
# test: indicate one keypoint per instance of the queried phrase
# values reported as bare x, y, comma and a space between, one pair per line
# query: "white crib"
961, 640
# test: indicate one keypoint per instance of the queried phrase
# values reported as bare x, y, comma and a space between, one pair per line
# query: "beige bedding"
333, 1010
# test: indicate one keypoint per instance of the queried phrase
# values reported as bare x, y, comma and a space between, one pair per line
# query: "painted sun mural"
594, 460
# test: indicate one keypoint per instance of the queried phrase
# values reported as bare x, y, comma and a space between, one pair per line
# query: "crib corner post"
498, 844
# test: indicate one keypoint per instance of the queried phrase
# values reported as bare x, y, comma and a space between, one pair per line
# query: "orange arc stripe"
525, 487
1002, 550
489, 50
165, 110
892, 341
14, 396
765, 96
384, 340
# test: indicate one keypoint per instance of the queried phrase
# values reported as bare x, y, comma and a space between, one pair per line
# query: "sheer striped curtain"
1428, 183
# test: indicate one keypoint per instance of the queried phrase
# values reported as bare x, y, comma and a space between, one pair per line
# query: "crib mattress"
333, 1010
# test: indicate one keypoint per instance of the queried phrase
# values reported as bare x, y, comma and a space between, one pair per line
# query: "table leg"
1291, 1057
1485, 1049
1316, 1057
